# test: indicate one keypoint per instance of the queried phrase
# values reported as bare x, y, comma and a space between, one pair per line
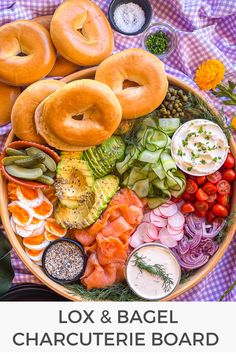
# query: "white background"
192, 317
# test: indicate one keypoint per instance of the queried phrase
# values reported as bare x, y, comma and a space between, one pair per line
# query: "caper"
170, 106
171, 89
163, 110
168, 113
179, 110
176, 105
168, 96
172, 98
185, 98
166, 103
174, 111
180, 92
181, 114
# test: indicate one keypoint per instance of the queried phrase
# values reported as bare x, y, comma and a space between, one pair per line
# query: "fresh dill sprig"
227, 92
116, 292
157, 270
198, 108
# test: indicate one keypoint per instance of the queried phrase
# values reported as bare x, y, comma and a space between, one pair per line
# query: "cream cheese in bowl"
199, 147
152, 271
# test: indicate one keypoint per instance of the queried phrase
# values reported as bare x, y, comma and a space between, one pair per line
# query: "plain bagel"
8, 95
81, 32
138, 66
62, 67
26, 53
22, 116
83, 113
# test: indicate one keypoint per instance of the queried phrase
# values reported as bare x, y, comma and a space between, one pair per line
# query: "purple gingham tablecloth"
205, 29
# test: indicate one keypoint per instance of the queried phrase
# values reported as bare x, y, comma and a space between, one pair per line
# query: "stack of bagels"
83, 113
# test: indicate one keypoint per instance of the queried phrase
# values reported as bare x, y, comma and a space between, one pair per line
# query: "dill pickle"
50, 174
24, 173
48, 162
45, 179
42, 166
9, 160
31, 161
15, 152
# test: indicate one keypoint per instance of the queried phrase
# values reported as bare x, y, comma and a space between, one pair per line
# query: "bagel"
81, 32
62, 66
57, 117
140, 67
22, 116
34, 42
8, 95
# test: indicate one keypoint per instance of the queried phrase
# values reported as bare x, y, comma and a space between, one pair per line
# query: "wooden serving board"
38, 272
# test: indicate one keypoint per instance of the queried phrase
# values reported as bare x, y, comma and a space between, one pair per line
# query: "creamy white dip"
146, 285
199, 147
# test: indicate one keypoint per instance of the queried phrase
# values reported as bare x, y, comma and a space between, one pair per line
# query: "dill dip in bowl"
152, 271
64, 261
199, 147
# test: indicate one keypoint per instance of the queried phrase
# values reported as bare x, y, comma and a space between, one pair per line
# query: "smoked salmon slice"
106, 241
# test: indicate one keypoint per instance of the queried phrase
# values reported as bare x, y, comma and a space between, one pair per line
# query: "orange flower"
233, 123
209, 74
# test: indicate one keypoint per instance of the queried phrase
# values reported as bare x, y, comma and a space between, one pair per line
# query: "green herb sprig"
227, 92
157, 270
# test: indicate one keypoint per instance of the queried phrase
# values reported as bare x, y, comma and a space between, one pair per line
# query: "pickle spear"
48, 161
9, 160
24, 173
15, 152
31, 161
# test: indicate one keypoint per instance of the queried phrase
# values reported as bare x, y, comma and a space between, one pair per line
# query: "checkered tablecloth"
205, 29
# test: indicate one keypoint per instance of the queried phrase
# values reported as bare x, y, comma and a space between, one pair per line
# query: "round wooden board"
37, 271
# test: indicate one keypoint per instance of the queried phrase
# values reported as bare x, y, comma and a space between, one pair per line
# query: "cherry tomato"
223, 199
210, 215
191, 186
200, 213
214, 177
201, 206
220, 210
201, 195
188, 197
201, 180
228, 174
209, 188
187, 208
229, 162
223, 187
211, 198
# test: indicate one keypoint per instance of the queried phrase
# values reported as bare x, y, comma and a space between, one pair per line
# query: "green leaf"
6, 274
229, 103
228, 291
232, 85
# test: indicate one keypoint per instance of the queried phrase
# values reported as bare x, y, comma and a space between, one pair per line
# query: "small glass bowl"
168, 30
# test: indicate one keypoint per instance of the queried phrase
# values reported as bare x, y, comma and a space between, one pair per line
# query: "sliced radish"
146, 218
178, 236
166, 238
173, 231
176, 221
157, 212
135, 242
158, 221
152, 232
168, 210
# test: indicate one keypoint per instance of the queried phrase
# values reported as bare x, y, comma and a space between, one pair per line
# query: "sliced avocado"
83, 216
103, 158
74, 182
71, 218
104, 189
94, 163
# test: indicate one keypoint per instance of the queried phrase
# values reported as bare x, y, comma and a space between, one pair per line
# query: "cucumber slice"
141, 188
149, 156
169, 125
